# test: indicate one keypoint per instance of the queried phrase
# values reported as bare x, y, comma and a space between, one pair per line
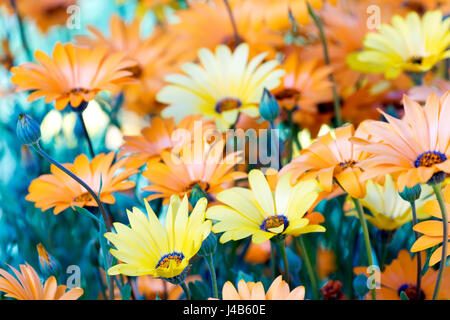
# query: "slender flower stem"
237, 38
86, 134
362, 219
186, 290
273, 266
39, 150
301, 250
210, 261
419, 258
336, 100
282, 250
440, 198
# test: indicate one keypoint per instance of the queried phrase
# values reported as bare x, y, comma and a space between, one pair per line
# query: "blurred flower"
28, 286
163, 135
387, 210
153, 58
279, 290
258, 253
225, 85
151, 287
410, 44
207, 25
331, 156
437, 86
411, 149
401, 275
148, 248
45, 13
6, 58
202, 165
432, 229
304, 85
276, 13
263, 214
326, 262
59, 191
72, 75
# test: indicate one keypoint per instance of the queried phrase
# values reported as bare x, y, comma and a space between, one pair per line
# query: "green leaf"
88, 213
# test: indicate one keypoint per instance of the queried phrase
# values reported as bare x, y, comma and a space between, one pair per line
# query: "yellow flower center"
347, 164
227, 104
288, 97
164, 262
274, 222
84, 197
430, 158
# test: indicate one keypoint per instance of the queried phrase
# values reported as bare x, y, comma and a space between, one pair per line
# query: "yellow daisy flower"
262, 214
222, 86
410, 44
149, 248
388, 211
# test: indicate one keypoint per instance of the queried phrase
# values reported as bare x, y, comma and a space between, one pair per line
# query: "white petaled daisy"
224, 84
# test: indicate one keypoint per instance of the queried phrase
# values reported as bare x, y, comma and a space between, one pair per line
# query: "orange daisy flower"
72, 75
151, 287
179, 174
206, 25
412, 148
401, 275
27, 286
59, 191
279, 290
153, 59
331, 156
45, 13
163, 135
432, 229
305, 84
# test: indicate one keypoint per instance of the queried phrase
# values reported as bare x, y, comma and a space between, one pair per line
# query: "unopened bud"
268, 107
28, 130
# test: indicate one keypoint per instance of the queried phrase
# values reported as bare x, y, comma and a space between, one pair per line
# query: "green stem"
419, 259
282, 250
86, 134
440, 198
301, 250
273, 266
212, 271
186, 290
362, 219
336, 100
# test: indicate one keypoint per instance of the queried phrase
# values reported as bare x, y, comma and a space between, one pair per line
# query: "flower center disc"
84, 197
411, 292
227, 104
347, 164
274, 222
430, 158
415, 60
164, 262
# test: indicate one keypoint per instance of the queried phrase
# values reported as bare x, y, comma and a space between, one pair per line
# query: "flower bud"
208, 245
411, 194
48, 264
196, 194
360, 285
28, 130
437, 178
268, 107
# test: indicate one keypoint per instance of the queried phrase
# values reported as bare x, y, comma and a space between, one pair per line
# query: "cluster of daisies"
355, 113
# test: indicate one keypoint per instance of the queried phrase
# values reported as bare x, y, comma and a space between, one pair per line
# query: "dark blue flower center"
430, 158
165, 260
227, 104
274, 222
